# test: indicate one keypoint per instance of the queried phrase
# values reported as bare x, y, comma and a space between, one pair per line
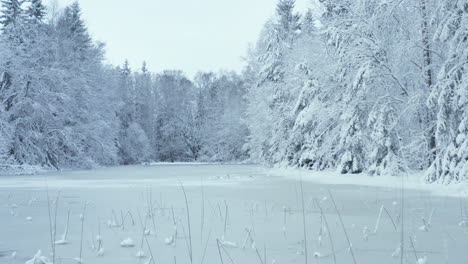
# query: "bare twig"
219, 252
188, 224
304, 222
82, 218
328, 230
344, 228
414, 249
52, 240
206, 246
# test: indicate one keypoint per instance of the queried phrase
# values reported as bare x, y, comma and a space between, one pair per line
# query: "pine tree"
144, 100
288, 20
36, 11
77, 25
74, 31
126, 87
308, 23
135, 115
144, 68
11, 13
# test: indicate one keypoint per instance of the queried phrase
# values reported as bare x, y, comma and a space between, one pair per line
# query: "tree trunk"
428, 79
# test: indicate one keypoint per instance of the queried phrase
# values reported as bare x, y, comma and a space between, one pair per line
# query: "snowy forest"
358, 86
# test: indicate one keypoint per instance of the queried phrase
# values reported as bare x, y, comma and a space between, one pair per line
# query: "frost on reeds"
38, 259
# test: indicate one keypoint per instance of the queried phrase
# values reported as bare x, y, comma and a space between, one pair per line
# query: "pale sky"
190, 35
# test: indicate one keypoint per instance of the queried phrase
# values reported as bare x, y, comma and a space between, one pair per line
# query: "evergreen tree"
449, 98
364, 75
353, 70
288, 20
272, 92
308, 23
385, 157
175, 95
72, 27
36, 11
144, 100
427, 68
126, 88
11, 13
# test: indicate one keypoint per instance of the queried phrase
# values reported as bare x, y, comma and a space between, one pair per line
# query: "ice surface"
258, 211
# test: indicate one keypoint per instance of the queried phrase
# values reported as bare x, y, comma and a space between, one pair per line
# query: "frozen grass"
246, 217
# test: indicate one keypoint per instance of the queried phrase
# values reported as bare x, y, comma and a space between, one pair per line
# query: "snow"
20, 170
127, 243
38, 259
169, 240
178, 163
422, 260
116, 177
61, 242
229, 244
263, 208
412, 181
140, 254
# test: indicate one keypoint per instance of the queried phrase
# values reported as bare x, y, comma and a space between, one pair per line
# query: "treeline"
372, 86
363, 85
167, 117
62, 107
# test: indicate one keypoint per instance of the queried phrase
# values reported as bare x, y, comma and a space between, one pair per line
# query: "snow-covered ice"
254, 209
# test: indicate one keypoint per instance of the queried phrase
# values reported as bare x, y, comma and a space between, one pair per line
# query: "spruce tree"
288, 22
11, 13
36, 11
308, 23
127, 92
72, 26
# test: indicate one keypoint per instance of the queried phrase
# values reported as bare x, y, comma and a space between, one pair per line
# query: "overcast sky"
189, 35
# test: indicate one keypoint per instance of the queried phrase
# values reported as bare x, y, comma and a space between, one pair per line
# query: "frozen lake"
237, 212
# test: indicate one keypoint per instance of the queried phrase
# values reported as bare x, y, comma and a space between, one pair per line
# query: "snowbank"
414, 180
182, 163
13, 170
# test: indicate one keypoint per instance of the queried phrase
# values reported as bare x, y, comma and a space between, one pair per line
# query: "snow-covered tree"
72, 27
288, 20
54, 100
385, 156
174, 97
218, 121
36, 11
313, 139
144, 101
349, 85
449, 97
11, 13
354, 52
271, 94
134, 144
